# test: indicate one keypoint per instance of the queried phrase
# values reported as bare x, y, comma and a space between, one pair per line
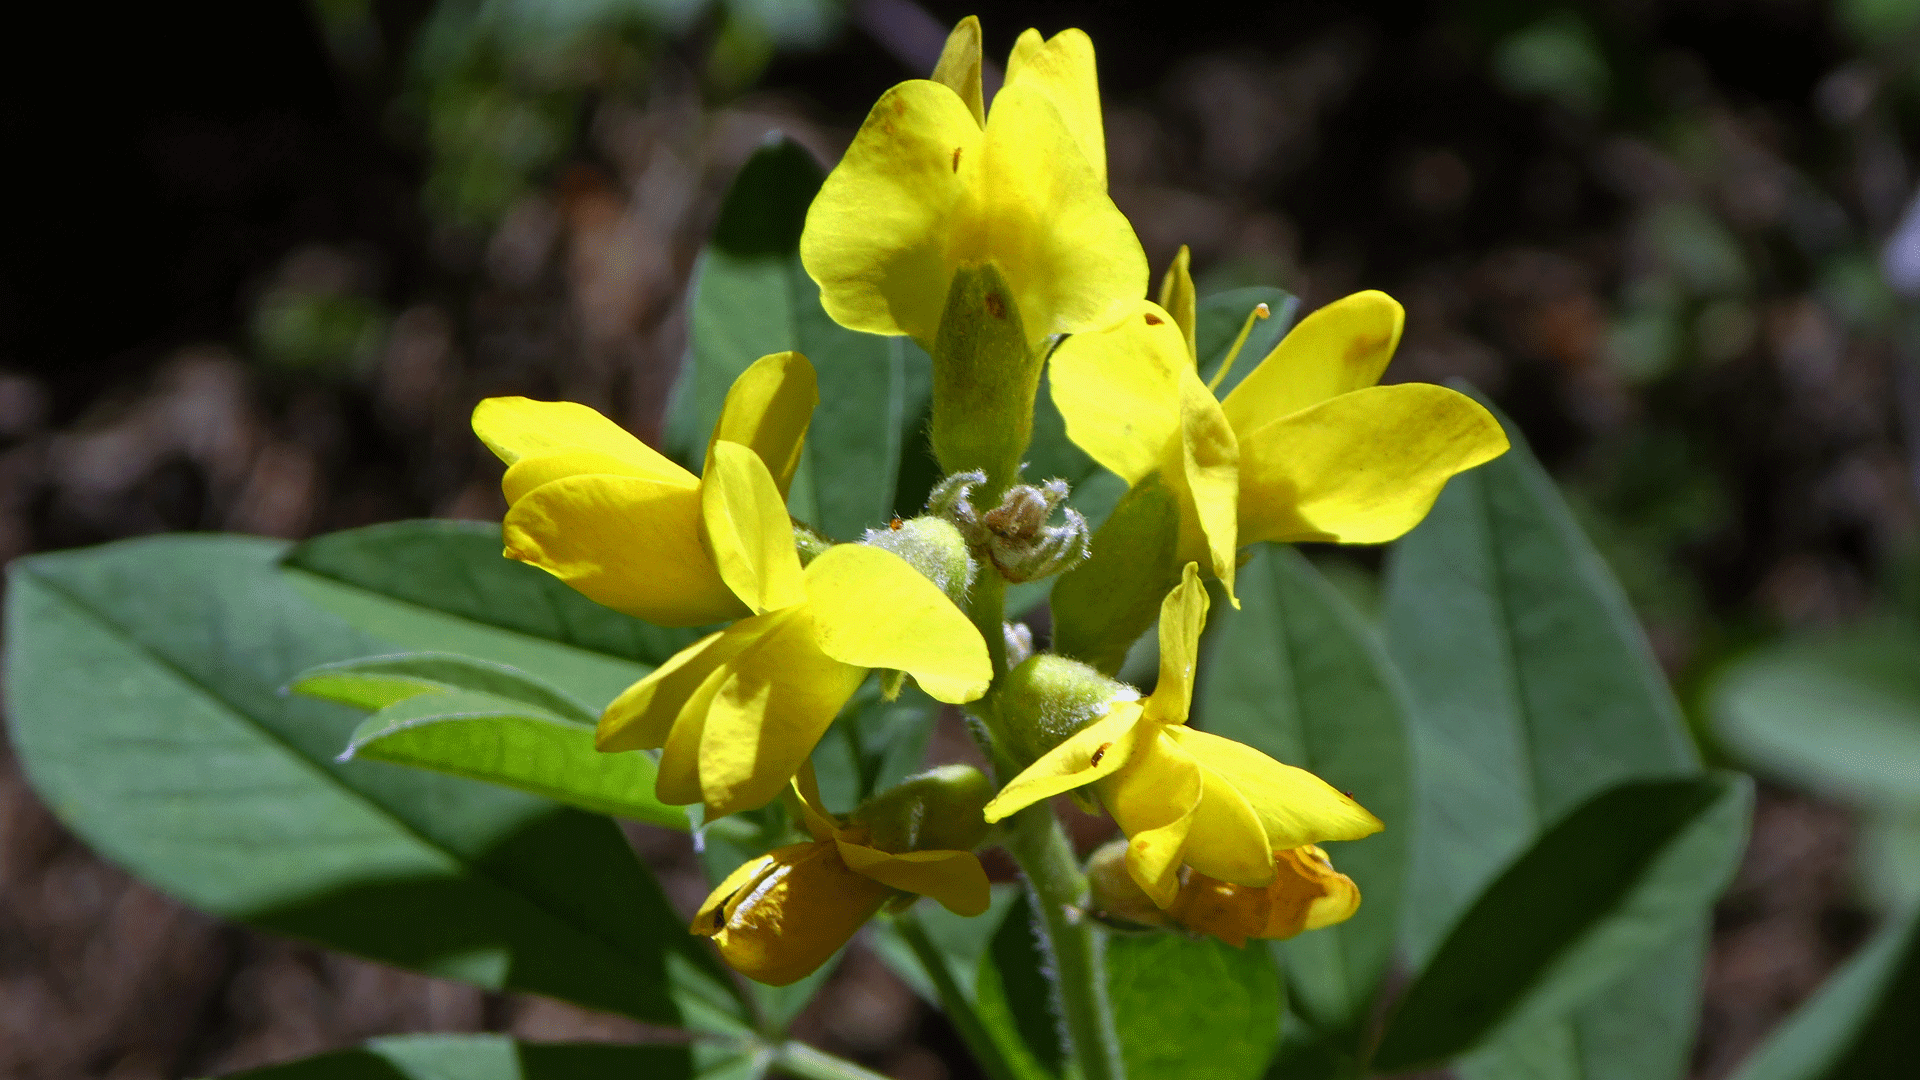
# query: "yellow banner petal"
872, 610
767, 410
1362, 468
1294, 806
547, 466
744, 518
1040, 212
1119, 391
1062, 67
1094, 752
628, 543
1183, 615
877, 233
959, 67
954, 878
516, 427
1339, 348
780, 695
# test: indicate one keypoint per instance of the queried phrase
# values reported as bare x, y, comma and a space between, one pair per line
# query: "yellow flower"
612, 517
779, 917
739, 711
1306, 448
1307, 893
934, 182
1181, 795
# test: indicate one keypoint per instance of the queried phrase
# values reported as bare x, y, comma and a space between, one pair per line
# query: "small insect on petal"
1099, 753
1152, 319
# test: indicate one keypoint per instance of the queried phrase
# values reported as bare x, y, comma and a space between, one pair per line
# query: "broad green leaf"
1219, 319
488, 736
484, 1057
1839, 715
144, 697
1531, 688
443, 586
1193, 1010
1860, 1024
752, 297
375, 682
1014, 995
1623, 874
1296, 674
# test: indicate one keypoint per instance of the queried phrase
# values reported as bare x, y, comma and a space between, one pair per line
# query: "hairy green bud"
932, 546
1048, 698
937, 810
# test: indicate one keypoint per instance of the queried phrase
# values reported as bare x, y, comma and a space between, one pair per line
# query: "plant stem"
1040, 846
986, 606
799, 1059
960, 1011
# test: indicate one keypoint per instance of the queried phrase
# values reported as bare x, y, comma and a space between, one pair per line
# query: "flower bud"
937, 810
1047, 698
932, 546
1015, 535
779, 917
985, 376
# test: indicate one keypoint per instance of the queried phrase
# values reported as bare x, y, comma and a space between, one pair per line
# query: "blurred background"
261, 260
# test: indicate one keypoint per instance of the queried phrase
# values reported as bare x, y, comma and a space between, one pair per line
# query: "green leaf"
143, 691
533, 740
1532, 688
1860, 1024
1296, 675
1218, 320
1193, 1010
751, 298
443, 586
484, 1057
1621, 875
1839, 715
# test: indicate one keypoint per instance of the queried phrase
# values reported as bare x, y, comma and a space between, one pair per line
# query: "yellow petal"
1095, 751
1180, 301
780, 695
796, 909
1308, 893
746, 524
1039, 211
959, 67
1119, 391
516, 427
806, 785
625, 542
1232, 913
1362, 468
872, 610
1342, 347
767, 410
1062, 67
1294, 806
711, 918
1155, 800
876, 234
547, 466
1227, 839
1183, 615
641, 716
1206, 478
954, 878
678, 781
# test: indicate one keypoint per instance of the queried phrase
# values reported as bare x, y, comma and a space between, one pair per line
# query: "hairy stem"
1040, 846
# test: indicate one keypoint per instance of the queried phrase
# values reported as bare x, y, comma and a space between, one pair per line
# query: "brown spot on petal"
996, 306
956, 157
1152, 319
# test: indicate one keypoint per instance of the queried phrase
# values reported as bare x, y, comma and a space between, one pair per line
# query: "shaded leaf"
143, 690
1860, 1024
483, 1057
1621, 875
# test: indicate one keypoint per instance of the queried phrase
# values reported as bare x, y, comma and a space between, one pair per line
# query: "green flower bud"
932, 546
1048, 698
809, 545
937, 810
985, 377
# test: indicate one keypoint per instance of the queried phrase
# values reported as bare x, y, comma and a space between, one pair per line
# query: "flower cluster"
987, 235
